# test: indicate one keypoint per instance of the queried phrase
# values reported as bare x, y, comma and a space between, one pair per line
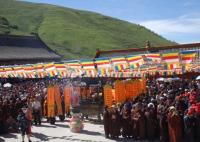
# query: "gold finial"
147, 44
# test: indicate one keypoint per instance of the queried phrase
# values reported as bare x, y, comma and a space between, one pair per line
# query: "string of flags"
125, 66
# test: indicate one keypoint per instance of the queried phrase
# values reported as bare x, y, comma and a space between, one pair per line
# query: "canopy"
175, 78
168, 79
7, 85
161, 79
198, 77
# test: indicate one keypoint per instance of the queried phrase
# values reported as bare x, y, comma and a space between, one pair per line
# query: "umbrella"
169, 80
161, 79
7, 85
175, 78
198, 77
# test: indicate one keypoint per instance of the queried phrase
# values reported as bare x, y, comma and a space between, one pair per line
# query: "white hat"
172, 108
165, 94
150, 105
161, 98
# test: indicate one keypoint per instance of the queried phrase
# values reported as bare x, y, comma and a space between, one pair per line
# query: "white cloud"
184, 24
188, 4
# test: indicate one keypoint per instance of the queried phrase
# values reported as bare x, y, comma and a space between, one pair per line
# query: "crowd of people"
22, 102
168, 111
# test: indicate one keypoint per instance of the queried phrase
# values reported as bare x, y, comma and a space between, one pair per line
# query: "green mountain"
73, 33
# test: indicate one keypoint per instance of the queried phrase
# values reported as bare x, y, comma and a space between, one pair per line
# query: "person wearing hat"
114, 122
151, 125
174, 125
126, 122
24, 124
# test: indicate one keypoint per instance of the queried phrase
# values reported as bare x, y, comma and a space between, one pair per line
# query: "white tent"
7, 85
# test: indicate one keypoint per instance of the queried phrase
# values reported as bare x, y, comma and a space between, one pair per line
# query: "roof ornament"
147, 44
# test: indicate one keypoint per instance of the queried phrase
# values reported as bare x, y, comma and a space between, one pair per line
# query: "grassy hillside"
73, 33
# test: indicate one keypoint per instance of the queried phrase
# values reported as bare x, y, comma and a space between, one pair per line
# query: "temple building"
148, 49
17, 50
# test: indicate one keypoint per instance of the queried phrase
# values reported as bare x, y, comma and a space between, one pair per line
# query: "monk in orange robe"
174, 125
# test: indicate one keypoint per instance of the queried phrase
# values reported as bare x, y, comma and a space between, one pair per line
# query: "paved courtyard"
60, 132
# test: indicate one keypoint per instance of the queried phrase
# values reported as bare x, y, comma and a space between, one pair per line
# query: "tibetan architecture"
16, 49
148, 49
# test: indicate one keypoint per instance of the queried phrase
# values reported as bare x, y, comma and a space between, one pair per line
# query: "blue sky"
176, 20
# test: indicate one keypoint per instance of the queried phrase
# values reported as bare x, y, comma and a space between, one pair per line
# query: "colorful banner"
29, 71
67, 98
19, 72
2, 72
120, 92
108, 93
50, 69
74, 69
61, 70
135, 61
39, 71
129, 66
188, 56
172, 57
58, 100
153, 58
89, 68
103, 66
51, 102
75, 97
119, 64
172, 66
9, 72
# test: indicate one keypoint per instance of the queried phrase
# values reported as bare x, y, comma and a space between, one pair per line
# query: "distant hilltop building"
16, 49
148, 49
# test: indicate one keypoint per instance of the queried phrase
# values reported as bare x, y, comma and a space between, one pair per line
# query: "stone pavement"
60, 132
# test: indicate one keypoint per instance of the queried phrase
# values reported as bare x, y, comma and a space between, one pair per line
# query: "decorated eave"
163, 61
148, 48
